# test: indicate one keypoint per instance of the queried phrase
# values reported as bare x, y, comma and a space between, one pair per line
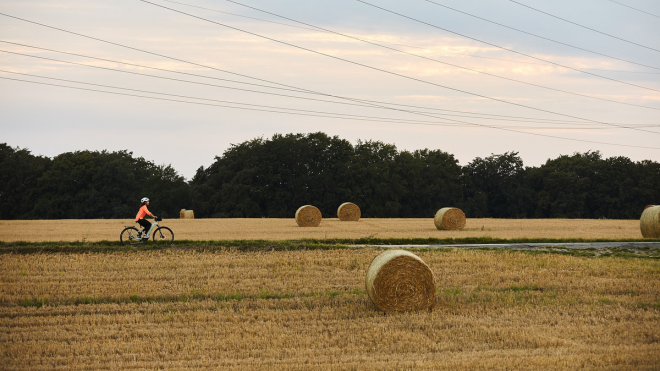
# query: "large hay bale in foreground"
449, 218
399, 280
647, 206
349, 212
649, 223
186, 214
308, 216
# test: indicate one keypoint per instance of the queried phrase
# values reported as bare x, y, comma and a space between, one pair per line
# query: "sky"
226, 72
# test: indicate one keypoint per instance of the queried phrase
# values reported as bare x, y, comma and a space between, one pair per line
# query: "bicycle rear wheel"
130, 236
163, 236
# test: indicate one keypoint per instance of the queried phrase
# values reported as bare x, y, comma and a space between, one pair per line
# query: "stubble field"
222, 308
309, 310
287, 229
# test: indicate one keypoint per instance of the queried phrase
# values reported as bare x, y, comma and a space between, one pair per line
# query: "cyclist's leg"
145, 224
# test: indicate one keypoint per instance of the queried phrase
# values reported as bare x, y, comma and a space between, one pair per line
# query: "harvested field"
309, 310
287, 229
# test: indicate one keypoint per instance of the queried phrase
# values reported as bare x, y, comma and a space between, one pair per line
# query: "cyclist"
139, 218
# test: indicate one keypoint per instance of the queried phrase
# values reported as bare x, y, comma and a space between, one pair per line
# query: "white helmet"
144, 199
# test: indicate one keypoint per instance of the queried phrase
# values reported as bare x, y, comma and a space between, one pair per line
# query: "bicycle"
162, 236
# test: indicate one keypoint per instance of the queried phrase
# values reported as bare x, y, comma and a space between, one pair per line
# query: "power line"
435, 50
297, 114
348, 117
299, 110
191, 63
260, 107
503, 48
446, 63
135, 65
588, 28
378, 69
271, 82
216, 100
145, 51
196, 64
505, 118
627, 6
535, 35
529, 119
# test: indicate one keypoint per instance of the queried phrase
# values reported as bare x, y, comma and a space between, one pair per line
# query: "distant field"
287, 229
309, 310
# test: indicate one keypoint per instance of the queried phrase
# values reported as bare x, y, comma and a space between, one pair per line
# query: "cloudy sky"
226, 72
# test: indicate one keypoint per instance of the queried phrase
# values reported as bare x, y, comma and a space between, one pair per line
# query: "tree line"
272, 177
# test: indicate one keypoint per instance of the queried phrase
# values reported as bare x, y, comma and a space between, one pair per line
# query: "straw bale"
186, 214
308, 216
649, 223
647, 206
398, 280
349, 212
449, 218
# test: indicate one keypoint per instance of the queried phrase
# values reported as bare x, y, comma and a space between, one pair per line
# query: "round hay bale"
182, 214
649, 223
308, 216
349, 212
187, 214
647, 206
399, 280
449, 218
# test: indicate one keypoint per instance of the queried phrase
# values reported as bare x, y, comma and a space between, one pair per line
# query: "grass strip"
22, 247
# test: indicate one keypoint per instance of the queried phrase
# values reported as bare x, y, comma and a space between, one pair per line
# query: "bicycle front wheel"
130, 236
163, 236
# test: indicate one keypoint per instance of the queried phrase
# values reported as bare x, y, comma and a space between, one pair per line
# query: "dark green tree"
19, 173
564, 185
272, 178
585, 185
431, 179
91, 184
496, 186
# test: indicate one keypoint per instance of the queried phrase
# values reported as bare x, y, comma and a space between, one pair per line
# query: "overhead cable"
378, 69
488, 116
501, 47
555, 122
535, 35
298, 114
383, 119
446, 63
627, 6
202, 65
583, 26
431, 49
271, 82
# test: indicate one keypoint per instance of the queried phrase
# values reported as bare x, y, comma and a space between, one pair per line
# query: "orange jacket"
143, 211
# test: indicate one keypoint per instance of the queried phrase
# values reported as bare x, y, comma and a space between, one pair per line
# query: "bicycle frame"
153, 225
